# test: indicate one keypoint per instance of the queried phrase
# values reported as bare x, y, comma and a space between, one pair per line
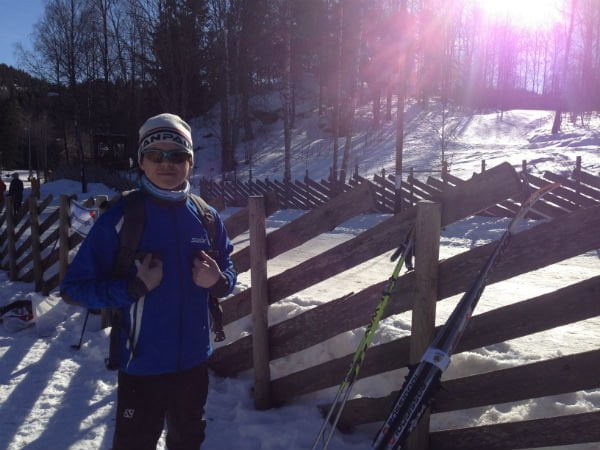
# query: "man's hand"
150, 271
205, 271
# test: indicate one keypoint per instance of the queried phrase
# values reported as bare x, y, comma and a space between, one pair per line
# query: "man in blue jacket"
164, 301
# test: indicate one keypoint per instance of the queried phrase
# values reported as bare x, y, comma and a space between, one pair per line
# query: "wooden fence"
578, 191
29, 252
535, 248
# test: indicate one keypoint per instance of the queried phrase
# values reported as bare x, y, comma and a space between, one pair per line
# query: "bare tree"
286, 89
565, 68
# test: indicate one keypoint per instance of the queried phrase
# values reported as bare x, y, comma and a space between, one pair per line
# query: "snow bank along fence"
568, 235
35, 249
579, 190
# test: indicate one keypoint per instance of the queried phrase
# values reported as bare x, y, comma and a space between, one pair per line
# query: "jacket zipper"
182, 289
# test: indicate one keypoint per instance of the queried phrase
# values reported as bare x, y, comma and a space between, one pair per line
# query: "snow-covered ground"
53, 397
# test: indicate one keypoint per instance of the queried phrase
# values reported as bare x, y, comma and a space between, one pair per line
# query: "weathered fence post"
36, 251
10, 240
398, 193
524, 174
260, 302
411, 182
427, 245
63, 237
576, 172
445, 173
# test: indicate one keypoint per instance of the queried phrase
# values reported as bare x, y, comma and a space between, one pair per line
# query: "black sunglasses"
157, 156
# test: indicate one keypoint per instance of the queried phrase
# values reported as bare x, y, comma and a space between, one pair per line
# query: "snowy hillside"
52, 397
470, 137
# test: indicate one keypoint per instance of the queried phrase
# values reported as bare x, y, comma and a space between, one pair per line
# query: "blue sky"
17, 18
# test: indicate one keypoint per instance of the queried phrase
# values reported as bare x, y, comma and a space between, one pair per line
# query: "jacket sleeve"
225, 285
88, 280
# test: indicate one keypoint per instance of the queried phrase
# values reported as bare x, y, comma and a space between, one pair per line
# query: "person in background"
163, 373
15, 191
2, 191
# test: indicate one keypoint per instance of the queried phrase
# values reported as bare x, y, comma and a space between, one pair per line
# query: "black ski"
423, 380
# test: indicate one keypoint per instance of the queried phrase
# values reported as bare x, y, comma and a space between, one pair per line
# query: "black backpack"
130, 237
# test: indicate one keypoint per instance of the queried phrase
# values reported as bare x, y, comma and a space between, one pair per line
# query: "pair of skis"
424, 379
403, 256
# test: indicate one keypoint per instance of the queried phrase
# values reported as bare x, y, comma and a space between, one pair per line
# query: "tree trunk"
338, 94
354, 79
286, 94
558, 115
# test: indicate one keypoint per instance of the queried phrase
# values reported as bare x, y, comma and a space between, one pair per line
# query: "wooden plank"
506, 208
260, 302
36, 251
281, 194
562, 196
338, 187
390, 185
302, 193
557, 376
289, 196
237, 223
416, 193
433, 192
50, 239
455, 201
563, 430
24, 261
519, 319
318, 187
49, 221
23, 247
256, 188
10, 240
63, 237
587, 178
315, 222
24, 226
388, 190
577, 186
44, 203
427, 248
317, 198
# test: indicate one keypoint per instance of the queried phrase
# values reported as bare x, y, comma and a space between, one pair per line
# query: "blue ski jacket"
168, 329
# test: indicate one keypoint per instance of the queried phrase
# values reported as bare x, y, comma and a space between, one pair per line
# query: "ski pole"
345, 387
78, 346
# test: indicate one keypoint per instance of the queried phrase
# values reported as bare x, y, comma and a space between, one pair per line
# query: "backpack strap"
130, 234
208, 219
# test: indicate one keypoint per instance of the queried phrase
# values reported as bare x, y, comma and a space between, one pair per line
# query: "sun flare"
531, 14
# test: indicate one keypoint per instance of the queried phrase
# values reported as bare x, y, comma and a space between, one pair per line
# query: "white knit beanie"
165, 128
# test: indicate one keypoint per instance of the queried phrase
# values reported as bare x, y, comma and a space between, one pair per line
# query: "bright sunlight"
530, 14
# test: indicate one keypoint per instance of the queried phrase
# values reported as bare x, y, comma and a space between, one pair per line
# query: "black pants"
17, 204
144, 402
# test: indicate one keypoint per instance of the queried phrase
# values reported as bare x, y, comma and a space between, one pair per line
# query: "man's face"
168, 174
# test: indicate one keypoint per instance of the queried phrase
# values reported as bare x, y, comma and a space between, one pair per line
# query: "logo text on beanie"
169, 136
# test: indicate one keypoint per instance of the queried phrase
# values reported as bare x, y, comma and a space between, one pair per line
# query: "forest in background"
98, 68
